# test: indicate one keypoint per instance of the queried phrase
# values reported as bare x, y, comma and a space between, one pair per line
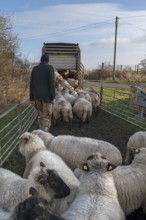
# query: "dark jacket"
42, 83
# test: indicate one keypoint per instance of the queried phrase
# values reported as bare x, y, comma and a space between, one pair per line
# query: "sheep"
62, 109
85, 96
95, 100
130, 181
65, 84
59, 88
97, 197
74, 93
34, 207
137, 140
32, 147
14, 189
73, 82
75, 150
45, 136
58, 77
83, 110
70, 98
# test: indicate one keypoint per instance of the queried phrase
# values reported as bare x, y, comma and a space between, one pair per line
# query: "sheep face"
97, 162
48, 183
139, 155
30, 142
33, 208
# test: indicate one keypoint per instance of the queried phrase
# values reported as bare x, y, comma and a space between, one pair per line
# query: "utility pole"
115, 46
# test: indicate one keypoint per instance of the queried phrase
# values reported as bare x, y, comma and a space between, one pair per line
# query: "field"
104, 127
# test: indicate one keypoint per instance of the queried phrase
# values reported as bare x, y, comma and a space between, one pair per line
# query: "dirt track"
104, 127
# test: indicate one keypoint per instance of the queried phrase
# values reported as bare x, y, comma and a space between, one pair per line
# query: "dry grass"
14, 86
128, 76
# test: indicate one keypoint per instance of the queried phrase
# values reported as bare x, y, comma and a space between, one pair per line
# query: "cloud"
90, 25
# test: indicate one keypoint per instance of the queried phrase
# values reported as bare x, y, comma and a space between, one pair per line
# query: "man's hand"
53, 101
32, 102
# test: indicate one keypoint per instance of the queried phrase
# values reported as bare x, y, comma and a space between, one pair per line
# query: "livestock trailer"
65, 56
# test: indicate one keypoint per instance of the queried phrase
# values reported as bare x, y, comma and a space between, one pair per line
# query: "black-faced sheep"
14, 189
32, 147
34, 150
32, 208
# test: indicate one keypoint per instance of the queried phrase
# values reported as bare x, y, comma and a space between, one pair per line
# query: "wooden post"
115, 46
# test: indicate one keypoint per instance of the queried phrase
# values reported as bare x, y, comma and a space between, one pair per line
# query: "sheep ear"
137, 151
90, 157
110, 167
26, 140
42, 164
85, 167
33, 191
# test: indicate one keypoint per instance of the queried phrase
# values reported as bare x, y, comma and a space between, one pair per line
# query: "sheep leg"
70, 124
144, 207
80, 123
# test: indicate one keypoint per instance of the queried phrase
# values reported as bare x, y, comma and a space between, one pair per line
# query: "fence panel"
19, 118
13, 123
123, 105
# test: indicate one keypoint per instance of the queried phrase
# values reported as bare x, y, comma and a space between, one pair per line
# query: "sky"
90, 23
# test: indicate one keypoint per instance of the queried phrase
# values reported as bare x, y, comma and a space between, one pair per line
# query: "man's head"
45, 58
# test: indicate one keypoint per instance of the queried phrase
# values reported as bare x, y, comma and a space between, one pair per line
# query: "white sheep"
82, 108
65, 84
70, 98
58, 77
85, 96
45, 136
137, 140
73, 82
62, 109
33, 149
75, 150
97, 197
95, 100
14, 189
130, 182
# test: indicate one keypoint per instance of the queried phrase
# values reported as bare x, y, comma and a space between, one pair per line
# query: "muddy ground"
104, 127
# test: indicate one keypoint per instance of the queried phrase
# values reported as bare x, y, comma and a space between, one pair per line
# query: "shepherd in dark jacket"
42, 91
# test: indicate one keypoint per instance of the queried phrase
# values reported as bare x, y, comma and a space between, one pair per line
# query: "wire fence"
13, 123
20, 118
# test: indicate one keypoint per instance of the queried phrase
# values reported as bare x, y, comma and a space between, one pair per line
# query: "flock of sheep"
71, 101
74, 178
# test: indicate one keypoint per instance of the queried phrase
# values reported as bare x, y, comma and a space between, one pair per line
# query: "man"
42, 91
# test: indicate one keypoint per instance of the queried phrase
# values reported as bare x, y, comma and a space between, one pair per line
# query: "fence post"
19, 118
101, 94
1, 154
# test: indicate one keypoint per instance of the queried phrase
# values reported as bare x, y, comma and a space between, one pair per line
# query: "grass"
118, 81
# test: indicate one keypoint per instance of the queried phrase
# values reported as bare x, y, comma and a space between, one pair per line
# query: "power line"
130, 23
81, 28
140, 16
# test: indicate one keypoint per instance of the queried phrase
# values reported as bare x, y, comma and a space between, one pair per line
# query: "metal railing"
20, 118
123, 105
13, 123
